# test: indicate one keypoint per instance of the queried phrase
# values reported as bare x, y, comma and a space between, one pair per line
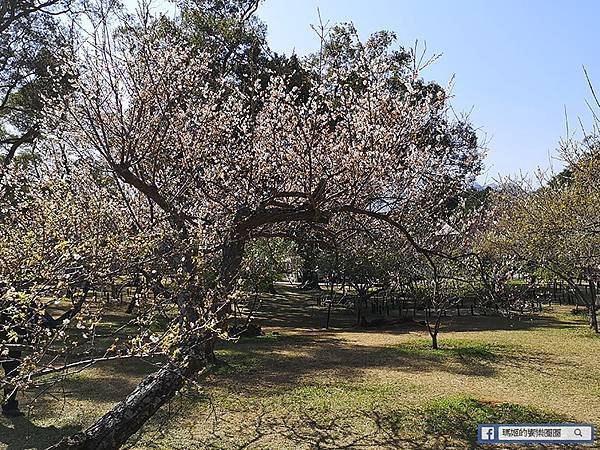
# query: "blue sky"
518, 64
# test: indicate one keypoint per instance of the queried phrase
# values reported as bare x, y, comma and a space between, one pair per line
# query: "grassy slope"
303, 387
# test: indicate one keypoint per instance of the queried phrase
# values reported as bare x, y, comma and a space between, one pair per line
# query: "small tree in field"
366, 268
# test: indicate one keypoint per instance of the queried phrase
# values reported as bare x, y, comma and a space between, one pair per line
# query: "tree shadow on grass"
290, 358
104, 383
282, 360
262, 366
20, 433
447, 422
496, 323
452, 422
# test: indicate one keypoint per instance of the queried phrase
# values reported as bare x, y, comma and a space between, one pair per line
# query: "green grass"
460, 416
302, 387
455, 348
239, 362
337, 416
456, 418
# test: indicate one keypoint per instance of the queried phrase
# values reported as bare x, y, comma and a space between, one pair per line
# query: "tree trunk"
310, 276
131, 305
593, 317
116, 426
361, 305
434, 331
328, 314
310, 280
434, 342
592, 307
271, 288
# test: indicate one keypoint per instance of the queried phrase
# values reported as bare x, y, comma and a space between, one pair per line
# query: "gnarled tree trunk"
116, 426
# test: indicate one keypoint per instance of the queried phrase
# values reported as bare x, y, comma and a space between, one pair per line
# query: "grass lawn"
300, 386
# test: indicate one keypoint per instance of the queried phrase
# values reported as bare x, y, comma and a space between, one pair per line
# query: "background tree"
554, 228
33, 45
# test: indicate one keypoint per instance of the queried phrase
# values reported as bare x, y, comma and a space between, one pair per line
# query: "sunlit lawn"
300, 386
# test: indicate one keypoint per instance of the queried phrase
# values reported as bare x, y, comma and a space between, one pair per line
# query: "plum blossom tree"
554, 227
552, 224
201, 165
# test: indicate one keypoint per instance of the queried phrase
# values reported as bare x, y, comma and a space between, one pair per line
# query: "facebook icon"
486, 434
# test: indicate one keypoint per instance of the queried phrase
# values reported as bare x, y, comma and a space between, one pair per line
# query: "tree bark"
592, 308
593, 317
113, 429
434, 331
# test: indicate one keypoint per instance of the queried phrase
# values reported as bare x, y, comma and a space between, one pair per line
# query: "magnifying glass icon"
577, 432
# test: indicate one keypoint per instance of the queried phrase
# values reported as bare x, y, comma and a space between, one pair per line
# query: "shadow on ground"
296, 350
290, 358
292, 308
20, 433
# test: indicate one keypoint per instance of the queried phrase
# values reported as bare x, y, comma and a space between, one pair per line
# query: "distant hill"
483, 187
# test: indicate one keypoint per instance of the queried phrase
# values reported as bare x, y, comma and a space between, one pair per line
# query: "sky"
517, 64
